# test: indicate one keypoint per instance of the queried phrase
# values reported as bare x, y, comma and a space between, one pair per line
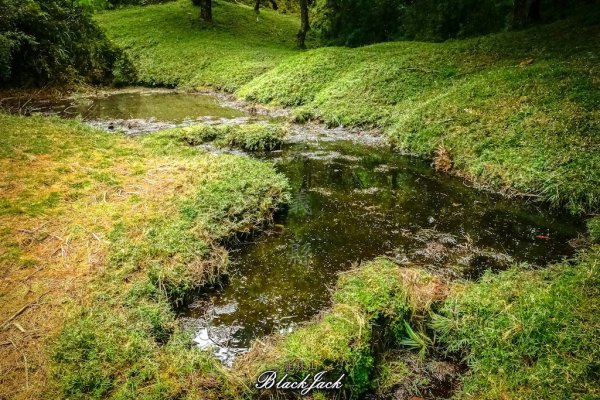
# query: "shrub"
55, 41
359, 22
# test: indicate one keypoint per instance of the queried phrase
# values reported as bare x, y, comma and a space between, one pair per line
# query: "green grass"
528, 334
172, 47
515, 112
140, 350
594, 229
117, 231
249, 137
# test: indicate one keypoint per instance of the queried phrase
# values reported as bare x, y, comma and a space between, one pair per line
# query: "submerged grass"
516, 111
100, 236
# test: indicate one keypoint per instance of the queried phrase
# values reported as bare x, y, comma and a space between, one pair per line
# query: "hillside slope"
517, 111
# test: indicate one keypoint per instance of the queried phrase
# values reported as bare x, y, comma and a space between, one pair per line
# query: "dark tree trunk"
304, 25
206, 10
535, 11
257, 6
526, 12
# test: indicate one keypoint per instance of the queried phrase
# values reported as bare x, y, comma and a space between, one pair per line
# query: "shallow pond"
132, 111
352, 203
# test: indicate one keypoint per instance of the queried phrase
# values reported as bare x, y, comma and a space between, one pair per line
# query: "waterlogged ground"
351, 203
352, 200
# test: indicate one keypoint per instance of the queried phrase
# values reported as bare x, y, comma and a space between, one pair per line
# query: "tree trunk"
206, 10
257, 5
304, 25
525, 12
535, 11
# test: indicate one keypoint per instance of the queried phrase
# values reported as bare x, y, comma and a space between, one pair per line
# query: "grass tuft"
249, 137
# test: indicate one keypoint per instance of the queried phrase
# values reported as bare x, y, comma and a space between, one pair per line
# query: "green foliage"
528, 334
440, 20
593, 226
359, 22
283, 6
54, 41
96, 5
250, 137
415, 340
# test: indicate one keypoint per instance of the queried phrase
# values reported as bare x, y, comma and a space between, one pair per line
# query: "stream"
353, 199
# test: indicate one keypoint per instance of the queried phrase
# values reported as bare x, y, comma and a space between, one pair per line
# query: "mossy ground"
111, 232
516, 111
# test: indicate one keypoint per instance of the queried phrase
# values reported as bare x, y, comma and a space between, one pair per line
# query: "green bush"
97, 5
359, 22
55, 41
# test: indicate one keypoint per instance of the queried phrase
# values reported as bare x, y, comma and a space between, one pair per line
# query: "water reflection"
352, 203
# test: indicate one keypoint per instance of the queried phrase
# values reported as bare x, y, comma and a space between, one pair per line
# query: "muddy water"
351, 203
131, 111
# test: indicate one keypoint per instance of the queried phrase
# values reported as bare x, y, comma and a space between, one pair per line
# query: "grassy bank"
528, 334
100, 235
515, 112
522, 333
